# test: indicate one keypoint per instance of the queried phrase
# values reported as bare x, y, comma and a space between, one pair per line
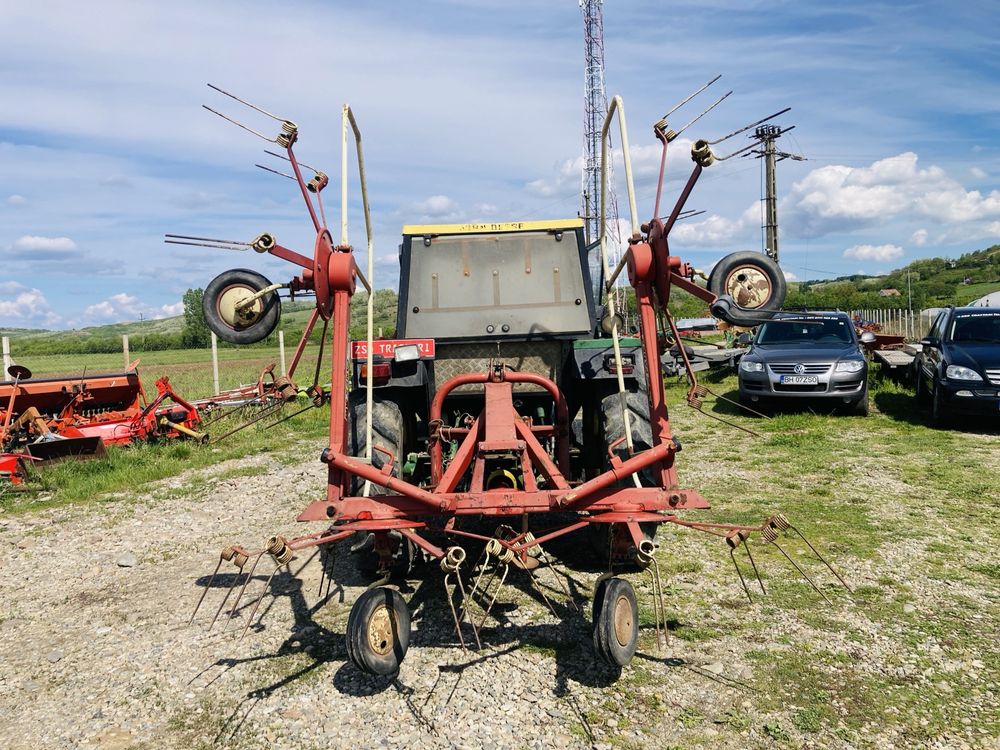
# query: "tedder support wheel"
616, 622
378, 631
247, 325
755, 283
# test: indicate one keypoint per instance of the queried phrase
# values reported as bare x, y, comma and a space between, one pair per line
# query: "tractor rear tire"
387, 432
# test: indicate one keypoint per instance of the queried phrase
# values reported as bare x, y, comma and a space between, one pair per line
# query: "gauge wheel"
378, 631
755, 283
245, 325
616, 622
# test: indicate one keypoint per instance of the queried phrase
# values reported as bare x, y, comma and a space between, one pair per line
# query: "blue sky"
473, 111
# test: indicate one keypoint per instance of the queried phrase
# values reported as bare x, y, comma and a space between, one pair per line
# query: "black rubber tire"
723, 272
861, 407
613, 426
261, 328
387, 432
939, 417
616, 623
922, 391
377, 605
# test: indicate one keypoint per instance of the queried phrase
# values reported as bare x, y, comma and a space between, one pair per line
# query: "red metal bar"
463, 457
659, 419
290, 255
638, 462
305, 192
337, 482
539, 456
313, 317
343, 463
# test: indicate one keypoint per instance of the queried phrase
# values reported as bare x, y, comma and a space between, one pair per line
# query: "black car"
806, 356
958, 369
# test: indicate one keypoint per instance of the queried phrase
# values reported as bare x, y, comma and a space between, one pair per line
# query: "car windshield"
825, 332
976, 328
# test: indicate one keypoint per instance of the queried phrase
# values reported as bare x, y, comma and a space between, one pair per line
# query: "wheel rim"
749, 286
381, 626
623, 621
234, 318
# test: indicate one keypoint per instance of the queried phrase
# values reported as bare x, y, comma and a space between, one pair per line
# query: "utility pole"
766, 135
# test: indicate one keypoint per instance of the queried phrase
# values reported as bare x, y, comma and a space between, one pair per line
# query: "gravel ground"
95, 650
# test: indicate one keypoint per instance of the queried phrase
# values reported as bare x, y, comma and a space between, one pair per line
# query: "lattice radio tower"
595, 108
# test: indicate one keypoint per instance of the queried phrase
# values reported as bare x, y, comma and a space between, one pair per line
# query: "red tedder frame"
332, 273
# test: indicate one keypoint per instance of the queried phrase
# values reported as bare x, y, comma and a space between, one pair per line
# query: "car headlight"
850, 365
749, 365
956, 372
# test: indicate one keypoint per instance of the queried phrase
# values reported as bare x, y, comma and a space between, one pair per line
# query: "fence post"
215, 362
281, 351
6, 357
125, 350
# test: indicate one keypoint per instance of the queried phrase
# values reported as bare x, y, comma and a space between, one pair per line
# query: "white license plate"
799, 380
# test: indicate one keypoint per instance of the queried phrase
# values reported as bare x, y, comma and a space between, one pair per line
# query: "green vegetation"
935, 282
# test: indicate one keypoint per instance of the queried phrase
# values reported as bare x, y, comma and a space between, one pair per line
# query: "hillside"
934, 282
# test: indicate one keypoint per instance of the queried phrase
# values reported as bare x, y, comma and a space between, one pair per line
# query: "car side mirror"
930, 341
744, 339
868, 337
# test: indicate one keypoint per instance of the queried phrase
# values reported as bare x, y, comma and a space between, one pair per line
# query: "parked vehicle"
957, 370
806, 356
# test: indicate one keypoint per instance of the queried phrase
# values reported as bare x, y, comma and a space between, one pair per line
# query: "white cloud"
979, 174
32, 242
16, 200
122, 307
436, 205
835, 198
878, 253
919, 238
24, 307
789, 276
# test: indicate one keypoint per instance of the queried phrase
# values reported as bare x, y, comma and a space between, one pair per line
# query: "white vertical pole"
6, 357
125, 350
281, 351
215, 362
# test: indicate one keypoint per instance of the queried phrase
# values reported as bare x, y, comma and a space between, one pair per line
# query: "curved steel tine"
244, 102
747, 127
743, 150
449, 595
732, 556
205, 592
755, 571
240, 124
705, 112
236, 604
297, 160
275, 171
690, 97
802, 572
208, 239
260, 598
538, 588
461, 587
203, 244
820, 557
496, 593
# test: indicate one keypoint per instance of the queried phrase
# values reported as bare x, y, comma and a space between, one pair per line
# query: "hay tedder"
509, 396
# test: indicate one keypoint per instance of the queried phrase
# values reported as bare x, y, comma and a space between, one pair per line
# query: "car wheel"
860, 408
938, 409
922, 391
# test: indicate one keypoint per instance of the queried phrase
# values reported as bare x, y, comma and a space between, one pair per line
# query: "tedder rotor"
509, 395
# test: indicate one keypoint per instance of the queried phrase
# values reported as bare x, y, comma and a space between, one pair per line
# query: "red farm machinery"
510, 400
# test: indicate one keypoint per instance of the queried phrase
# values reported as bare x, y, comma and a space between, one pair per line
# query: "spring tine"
260, 598
821, 558
205, 592
297, 160
248, 104
690, 97
538, 588
275, 171
559, 579
207, 239
239, 596
496, 593
705, 112
461, 587
449, 595
732, 556
240, 124
801, 572
747, 127
746, 544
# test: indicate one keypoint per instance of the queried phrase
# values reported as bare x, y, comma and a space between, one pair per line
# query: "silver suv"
806, 356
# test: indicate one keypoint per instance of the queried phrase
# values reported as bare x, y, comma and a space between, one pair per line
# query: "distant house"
888, 292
